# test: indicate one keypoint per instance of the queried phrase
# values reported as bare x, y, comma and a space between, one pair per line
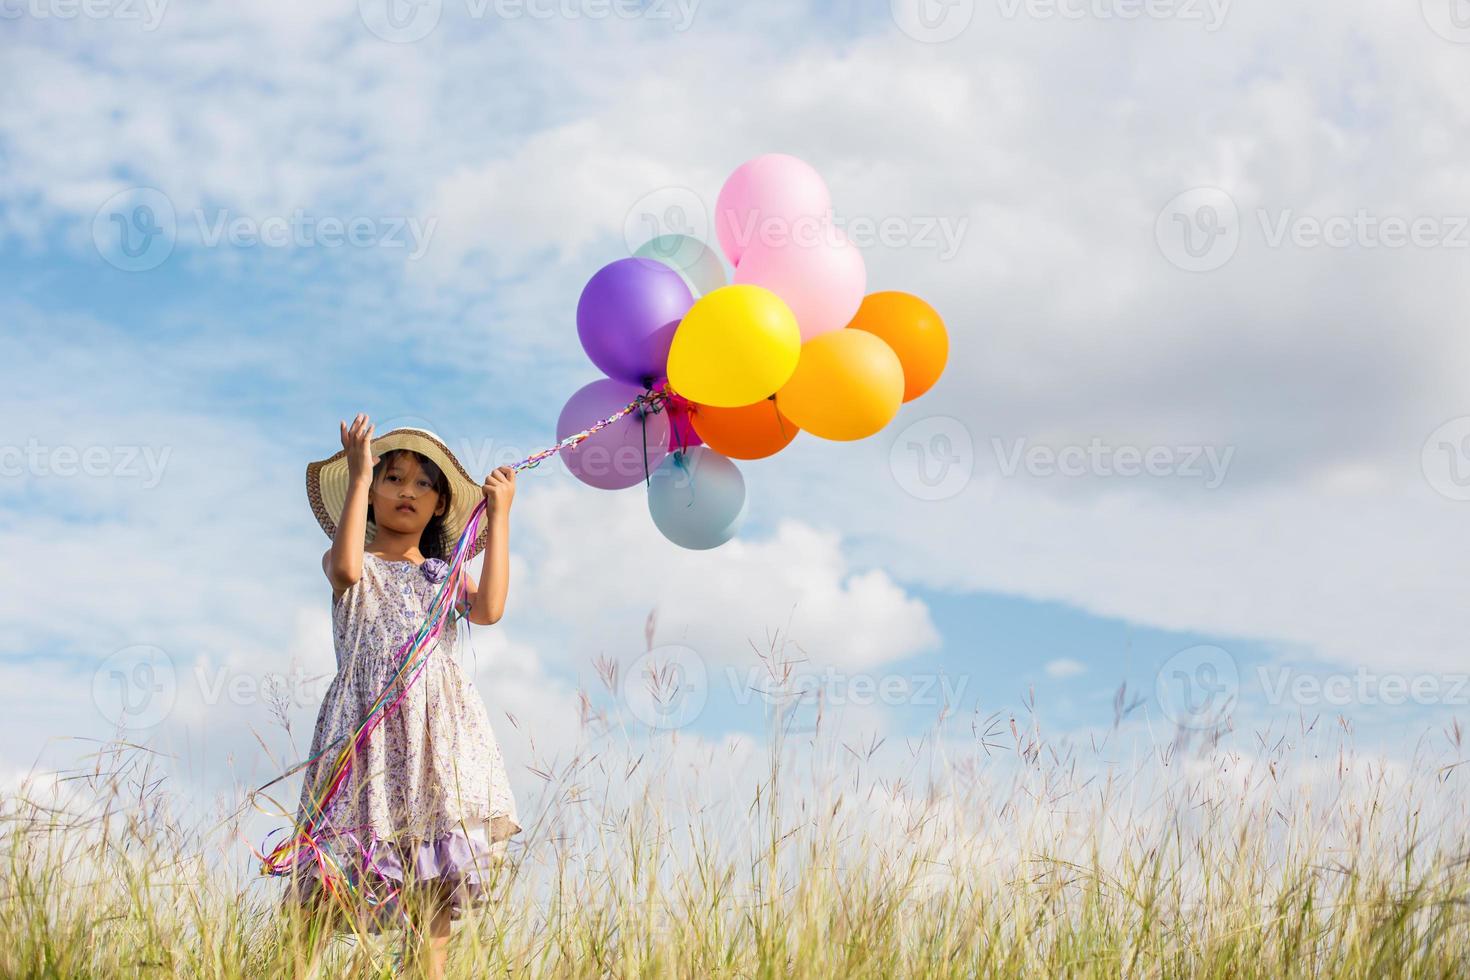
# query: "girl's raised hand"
358, 441
499, 488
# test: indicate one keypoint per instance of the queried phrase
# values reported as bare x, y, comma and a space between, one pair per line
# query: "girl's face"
403, 498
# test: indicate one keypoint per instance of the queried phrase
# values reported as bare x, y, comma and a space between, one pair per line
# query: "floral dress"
429, 797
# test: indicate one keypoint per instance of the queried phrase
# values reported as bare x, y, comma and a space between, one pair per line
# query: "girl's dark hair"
434, 542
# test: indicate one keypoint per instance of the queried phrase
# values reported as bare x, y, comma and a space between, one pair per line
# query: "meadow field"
981, 848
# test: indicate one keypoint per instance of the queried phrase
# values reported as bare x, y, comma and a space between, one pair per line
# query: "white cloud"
597, 556
1065, 667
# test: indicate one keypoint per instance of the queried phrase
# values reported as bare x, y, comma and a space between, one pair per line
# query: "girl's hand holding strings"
487, 599
358, 441
499, 488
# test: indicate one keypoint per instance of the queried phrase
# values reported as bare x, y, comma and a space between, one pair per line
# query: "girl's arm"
343, 563
487, 600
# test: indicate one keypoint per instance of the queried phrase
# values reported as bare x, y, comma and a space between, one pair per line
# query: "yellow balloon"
735, 346
848, 385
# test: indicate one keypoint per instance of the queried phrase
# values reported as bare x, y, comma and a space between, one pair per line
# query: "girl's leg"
311, 933
430, 911
439, 930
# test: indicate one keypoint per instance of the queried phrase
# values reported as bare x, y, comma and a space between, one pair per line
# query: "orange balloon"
915, 332
749, 432
848, 384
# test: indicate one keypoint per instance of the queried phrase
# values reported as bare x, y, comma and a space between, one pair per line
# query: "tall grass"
984, 848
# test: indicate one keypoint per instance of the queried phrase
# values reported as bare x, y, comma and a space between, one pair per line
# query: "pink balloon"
681, 429
768, 200
823, 281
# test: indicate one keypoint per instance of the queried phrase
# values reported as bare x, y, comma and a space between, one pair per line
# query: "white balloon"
697, 498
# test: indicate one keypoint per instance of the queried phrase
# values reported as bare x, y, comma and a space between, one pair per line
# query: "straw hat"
326, 486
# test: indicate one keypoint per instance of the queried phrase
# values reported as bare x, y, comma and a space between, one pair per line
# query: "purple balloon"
627, 316
612, 458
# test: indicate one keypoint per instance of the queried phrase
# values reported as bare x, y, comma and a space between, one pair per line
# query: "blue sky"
525, 148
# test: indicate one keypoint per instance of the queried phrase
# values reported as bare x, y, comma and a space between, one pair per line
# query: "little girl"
428, 799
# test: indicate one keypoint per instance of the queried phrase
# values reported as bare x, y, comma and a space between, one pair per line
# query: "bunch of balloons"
740, 367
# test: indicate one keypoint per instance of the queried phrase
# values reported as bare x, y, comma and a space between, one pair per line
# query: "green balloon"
695, 261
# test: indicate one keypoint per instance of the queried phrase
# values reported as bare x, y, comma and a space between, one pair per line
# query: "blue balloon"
691, 258
697, 498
